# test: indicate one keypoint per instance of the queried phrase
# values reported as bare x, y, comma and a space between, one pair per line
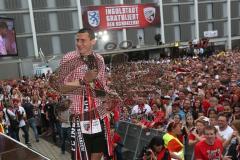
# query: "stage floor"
43, 150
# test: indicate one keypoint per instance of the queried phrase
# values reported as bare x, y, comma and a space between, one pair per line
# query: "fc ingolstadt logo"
149, 14
93, 18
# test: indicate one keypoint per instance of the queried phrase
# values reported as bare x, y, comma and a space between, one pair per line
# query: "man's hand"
53, 81
74, 83
235, 134
227, 158
90, 75
113, 93
69, 87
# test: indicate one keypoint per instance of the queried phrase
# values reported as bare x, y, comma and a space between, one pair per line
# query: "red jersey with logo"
205, 151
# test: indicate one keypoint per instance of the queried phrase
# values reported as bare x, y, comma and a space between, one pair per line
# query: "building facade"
51, 24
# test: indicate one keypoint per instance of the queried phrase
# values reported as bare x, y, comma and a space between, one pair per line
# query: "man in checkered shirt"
80, 80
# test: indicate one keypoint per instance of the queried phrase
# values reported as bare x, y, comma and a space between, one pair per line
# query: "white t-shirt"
7, 121
22, 112
226, 134
201, 50
12, 113
136, 110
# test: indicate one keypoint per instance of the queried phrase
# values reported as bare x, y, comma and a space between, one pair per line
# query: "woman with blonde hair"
190, 125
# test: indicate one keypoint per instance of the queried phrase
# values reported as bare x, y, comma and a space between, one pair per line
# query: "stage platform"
11, 149
42, 150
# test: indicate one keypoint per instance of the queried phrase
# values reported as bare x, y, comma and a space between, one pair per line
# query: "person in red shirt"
198, 133
116, 112
156, 150
210, 148
117, 144
158, 118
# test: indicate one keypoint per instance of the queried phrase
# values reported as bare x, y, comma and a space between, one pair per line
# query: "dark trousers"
44, 122
14, 133
26, 135
56, 129
32, 124
65, 137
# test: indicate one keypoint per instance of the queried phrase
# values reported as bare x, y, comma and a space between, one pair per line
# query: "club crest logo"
149, 14
86, 126
93, 18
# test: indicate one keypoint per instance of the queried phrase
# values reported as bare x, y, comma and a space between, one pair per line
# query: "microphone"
96, 85
90, 61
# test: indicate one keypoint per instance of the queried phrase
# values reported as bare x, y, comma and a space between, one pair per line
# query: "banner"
121, 16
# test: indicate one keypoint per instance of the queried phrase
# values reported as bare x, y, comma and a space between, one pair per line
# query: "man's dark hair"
172, 125
156, 141
224, 115
89, 31
210, 127
3, 25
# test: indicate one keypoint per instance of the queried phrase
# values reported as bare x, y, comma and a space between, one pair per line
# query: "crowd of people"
196, 101
32, 103
196, 93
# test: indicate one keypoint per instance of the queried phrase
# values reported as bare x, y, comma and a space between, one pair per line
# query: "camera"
184, 131
148, 152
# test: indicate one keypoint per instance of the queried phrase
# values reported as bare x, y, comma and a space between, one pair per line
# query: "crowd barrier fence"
135, 138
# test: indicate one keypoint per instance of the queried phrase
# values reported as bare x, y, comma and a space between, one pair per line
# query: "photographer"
156, 150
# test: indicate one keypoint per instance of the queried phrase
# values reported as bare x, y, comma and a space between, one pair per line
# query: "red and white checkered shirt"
77, 73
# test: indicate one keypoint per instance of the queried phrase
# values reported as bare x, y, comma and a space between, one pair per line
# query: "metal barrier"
135, 138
